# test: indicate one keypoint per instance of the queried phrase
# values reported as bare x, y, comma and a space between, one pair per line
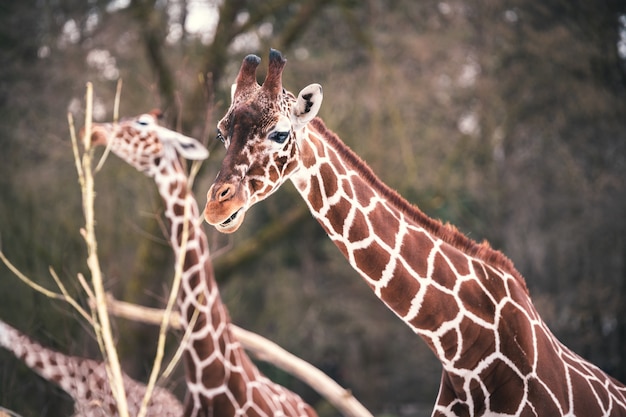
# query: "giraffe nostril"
225, 193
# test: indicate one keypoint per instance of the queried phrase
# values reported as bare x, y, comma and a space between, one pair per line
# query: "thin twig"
79, 168
183, 343
69, 298
28, 281
86, 287
103, 331
116, 103
260, 348
116, 111
156, 367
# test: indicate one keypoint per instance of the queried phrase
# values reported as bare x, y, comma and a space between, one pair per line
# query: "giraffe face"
260, 131
144, 144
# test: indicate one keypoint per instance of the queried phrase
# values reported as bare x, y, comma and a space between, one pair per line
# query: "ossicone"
273, 83
247, 73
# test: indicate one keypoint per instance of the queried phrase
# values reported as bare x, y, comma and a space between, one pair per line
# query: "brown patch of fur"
446, 232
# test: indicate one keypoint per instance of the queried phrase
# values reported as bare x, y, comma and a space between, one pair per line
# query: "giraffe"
85, 380
221, 379
465, 299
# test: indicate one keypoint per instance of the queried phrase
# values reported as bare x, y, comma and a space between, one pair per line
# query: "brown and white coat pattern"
463, 298
221, 378
85, 380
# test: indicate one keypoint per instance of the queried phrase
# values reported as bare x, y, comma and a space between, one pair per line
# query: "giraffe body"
463, 298
85, 380
221, 378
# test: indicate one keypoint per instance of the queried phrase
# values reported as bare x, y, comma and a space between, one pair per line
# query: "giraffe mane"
445, 231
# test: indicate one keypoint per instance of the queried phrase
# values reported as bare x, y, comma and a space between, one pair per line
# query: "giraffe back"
85, 380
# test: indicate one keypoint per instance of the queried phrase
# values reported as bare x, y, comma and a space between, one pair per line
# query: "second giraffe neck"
198, 298
221, 378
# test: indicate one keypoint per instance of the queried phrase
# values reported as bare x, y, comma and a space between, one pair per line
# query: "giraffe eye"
143, 121
220, 137
278, 137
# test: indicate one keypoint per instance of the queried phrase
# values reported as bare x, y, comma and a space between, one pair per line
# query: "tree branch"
260, 348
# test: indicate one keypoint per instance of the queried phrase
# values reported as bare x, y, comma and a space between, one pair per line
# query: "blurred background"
506, 118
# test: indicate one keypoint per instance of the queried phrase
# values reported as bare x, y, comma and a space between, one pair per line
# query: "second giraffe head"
144, 144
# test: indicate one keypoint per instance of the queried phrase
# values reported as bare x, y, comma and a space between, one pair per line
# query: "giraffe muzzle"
225, 208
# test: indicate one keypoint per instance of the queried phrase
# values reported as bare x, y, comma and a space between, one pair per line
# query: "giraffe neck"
84, 380
221, 378
400, 252
464, 299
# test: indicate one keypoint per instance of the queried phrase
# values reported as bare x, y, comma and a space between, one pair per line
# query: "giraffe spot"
541, 401
256, 184
415, 249
337, 163
457, 258
205, 346
442, 273
213, 374
505, 386
281, 161
359, 229
308, 155
437, 308
346, 188
363, 192
585, 402
460, 409
237, 386
478, 343
478, 397
492, 282
329, 179
372, 260
451, 390
258, 401
315, 197
450, 343
342, 247
273, 175
337, 215
400, 291
476, 301
385, 224
191, 259
516, 338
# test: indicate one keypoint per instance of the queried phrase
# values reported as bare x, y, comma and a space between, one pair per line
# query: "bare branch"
103, 326
262, 349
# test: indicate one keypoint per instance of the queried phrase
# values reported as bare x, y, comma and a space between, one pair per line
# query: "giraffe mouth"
232, 223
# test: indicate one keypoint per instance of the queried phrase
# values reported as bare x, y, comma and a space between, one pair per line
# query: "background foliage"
506, 118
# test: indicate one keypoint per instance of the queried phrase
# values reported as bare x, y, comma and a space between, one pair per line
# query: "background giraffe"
221, 378
465, 299
85, 380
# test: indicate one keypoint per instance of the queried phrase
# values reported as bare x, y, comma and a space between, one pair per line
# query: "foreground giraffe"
221, 378
85, 380
465, 299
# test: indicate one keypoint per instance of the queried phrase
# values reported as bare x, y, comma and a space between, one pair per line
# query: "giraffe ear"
233, 88
189, 148
307, 105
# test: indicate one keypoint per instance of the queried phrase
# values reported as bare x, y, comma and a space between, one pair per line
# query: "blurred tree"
504, 118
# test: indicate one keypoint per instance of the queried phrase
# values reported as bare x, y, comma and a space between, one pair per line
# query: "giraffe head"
260, 131
144, 144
